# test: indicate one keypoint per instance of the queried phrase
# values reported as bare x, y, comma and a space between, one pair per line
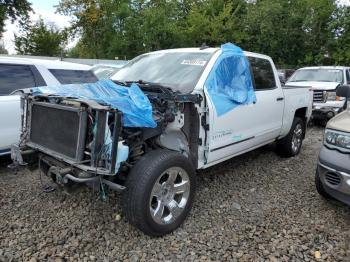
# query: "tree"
14, 10
215, 22
98, 23
340, 28
296, 33
292, 32
40, 39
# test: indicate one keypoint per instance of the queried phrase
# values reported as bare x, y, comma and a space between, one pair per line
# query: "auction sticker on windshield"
195, 62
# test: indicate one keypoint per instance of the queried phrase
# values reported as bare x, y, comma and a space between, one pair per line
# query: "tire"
290, 145
151, 186
319, 187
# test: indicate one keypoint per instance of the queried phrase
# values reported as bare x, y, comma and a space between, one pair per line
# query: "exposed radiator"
58, 128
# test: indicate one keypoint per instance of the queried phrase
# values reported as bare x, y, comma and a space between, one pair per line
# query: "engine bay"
85, 139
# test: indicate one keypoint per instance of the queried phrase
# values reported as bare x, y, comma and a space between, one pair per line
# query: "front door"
248, 126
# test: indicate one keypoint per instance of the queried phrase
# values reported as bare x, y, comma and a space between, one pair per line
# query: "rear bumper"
333, 164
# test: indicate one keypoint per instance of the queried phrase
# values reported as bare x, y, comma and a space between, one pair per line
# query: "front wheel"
290, 145
159, 192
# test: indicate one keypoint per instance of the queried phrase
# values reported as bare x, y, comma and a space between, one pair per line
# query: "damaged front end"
77, 140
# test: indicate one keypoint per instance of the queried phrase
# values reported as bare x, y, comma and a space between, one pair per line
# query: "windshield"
104, 72
319, 75
178, 70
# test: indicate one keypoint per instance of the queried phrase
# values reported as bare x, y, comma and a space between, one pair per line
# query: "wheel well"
301, 113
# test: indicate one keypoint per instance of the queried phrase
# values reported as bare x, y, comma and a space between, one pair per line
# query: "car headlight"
338, 139
332, 96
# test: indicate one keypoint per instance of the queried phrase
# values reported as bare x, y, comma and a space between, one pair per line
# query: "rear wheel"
290, 145
159, 192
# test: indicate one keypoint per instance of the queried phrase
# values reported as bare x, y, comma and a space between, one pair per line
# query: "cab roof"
324, 67
49, 64
204, 50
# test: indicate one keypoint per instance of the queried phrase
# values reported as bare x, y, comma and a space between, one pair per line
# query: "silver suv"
333, 169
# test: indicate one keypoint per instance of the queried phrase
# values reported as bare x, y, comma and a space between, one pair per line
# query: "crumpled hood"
340, 122
315, 85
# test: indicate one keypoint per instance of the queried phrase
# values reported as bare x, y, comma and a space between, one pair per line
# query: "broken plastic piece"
16, 157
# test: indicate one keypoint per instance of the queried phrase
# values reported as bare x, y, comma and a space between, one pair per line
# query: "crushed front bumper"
334, 172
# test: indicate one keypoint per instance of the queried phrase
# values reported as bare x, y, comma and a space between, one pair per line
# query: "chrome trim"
334, 170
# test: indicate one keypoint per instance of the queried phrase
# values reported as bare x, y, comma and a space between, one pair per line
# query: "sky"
43, 8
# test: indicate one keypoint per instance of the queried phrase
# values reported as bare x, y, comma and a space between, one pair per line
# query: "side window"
13, 77
74, 76
347, 76
263, 75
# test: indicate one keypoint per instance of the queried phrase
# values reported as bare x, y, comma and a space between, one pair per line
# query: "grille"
333, 178
57, 129
319, 96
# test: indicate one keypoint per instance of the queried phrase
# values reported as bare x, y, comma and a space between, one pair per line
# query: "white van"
19, 73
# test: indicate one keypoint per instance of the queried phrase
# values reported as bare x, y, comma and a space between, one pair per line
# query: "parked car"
19, 73
324, 80
333, 168
105, 71
208, 105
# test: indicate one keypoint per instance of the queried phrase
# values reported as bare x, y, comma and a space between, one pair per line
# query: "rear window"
13, 77
73, 76
263, 74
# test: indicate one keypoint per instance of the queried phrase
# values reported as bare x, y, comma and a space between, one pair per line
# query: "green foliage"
215, 22
40, 39
297, 32
340, 46
14, 10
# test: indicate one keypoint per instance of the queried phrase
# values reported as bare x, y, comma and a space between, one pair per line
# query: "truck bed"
296, 97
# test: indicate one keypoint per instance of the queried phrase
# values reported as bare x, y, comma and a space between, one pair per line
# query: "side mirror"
282, 79
344, 91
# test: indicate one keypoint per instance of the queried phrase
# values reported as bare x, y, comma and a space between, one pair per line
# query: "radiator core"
59, 129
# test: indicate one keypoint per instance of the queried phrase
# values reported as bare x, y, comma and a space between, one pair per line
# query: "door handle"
280, 98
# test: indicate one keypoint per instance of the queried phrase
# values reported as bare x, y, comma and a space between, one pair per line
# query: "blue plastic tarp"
229, 83
136, 108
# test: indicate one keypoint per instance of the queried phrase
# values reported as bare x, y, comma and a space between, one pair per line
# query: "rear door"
248, 126
13, 77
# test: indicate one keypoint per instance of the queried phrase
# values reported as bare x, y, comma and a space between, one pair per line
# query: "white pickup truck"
324, 81
208, 105
19, 73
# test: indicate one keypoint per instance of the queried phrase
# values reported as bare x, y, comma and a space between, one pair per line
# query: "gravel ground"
255, 207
